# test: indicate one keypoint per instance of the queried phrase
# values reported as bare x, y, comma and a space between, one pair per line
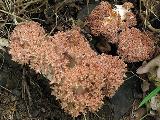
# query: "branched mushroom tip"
79, 77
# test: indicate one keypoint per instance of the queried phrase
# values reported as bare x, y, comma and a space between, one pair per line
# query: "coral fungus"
81, 89
78, 76
24, 38
85, 85
106, 21
117, 25
135, 45
59, 50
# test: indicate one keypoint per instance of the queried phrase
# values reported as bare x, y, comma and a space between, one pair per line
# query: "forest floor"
25, 95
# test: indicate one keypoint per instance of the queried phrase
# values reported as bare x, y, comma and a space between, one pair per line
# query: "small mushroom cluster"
117, 26
79, 77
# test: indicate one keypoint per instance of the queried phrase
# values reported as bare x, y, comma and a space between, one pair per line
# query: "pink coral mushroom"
84, 86
117, 26
24, 36
135, 45
106, 21
79, 77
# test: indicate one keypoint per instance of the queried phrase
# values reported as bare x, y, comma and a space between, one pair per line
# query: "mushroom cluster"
79, 77
117, 26
106, 21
